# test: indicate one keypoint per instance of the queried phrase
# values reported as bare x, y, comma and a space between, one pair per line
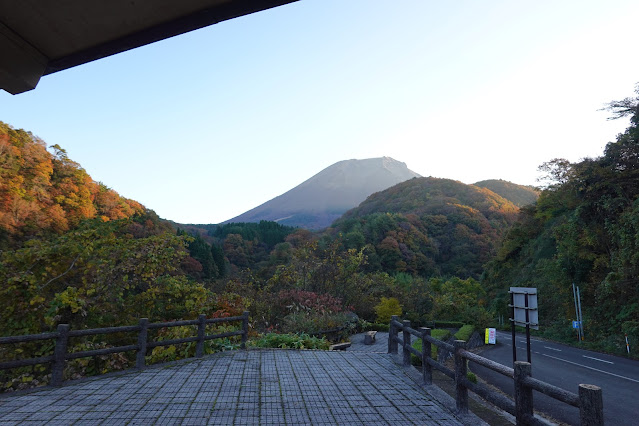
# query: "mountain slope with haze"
317, 202
519, 195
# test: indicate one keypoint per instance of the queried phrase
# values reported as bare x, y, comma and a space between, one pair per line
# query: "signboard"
525, 303
491, 336
575, 324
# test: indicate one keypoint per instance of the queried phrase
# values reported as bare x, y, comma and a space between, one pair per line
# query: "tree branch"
62, 274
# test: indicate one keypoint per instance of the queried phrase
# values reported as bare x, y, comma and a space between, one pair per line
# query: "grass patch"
444, 324
465, 332
438, 334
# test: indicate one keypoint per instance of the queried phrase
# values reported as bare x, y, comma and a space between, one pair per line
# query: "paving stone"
256, 387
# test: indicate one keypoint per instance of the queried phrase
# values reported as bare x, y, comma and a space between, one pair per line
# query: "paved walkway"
380, 345
256, 387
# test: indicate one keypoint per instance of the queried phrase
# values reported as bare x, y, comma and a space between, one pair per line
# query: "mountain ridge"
324, 197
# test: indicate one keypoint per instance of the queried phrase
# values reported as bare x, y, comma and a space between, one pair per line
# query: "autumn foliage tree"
42, 191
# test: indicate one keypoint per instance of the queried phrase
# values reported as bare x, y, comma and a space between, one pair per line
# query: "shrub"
379, 327
300, 300
312, 322
444, 324
290, 341
386, 308
187, 350
465, 332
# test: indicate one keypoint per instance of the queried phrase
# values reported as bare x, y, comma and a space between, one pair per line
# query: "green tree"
386, 308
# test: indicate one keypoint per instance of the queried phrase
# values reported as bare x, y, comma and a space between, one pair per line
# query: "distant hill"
429, 226
317, 202
519, 195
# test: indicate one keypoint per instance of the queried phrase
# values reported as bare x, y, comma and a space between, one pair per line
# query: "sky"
207, 125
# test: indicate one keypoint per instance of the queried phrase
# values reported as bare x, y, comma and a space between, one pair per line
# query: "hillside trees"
582, 230
41, 192
200, 263
72, 250
92, 275
429, 227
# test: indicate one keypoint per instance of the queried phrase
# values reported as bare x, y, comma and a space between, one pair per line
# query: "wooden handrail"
63, 333
589, 399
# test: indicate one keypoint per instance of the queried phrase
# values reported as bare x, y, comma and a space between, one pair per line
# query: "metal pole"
574, 296
527, 329
512, 321
581, 320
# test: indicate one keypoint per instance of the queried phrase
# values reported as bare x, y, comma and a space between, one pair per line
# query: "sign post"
523, 301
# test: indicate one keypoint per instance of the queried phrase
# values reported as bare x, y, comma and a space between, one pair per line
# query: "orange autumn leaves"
42, 191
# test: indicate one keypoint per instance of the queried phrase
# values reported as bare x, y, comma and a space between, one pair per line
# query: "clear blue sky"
207, 125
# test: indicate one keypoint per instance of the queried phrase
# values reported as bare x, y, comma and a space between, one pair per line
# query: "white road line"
532, 340
592, 368
552, 349
597, 359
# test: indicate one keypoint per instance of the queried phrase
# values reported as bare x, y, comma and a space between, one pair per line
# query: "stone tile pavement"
265, 387
380, 345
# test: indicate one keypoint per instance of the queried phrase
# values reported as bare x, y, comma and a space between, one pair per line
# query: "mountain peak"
324, 197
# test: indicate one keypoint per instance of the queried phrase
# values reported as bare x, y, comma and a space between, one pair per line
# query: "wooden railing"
63, 333
589, 400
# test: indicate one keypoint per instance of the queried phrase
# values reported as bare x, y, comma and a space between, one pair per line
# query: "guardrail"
63, 333
589, 400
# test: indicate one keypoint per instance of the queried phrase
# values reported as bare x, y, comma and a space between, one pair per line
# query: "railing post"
245, 325
461, 392
406, 338
201, 331
590, 405
59, 354
140, 360
427, 369
392, 334
523, 394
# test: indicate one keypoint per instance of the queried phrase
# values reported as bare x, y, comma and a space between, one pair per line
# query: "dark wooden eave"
40, 37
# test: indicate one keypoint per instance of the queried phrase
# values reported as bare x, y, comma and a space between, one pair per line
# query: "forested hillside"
429, 226
519, 195
74, 251
44, 193
584, 229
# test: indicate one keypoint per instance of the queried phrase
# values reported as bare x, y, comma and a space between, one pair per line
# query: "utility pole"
574, 296
581, 319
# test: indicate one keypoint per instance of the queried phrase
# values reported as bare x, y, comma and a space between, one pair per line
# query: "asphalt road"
566, 367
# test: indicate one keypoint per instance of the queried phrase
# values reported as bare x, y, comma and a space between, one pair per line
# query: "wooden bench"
339, 346
369, 337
